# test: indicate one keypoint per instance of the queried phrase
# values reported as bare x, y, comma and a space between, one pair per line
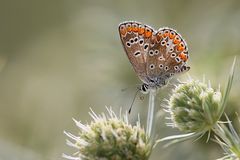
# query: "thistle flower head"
109, 137
195, 106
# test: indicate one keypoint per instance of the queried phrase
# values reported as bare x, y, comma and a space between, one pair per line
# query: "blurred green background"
60, 57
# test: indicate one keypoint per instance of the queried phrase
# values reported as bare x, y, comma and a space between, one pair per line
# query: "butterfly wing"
167, 55
135, 39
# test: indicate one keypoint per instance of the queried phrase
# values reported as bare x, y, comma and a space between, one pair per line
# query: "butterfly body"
155, 55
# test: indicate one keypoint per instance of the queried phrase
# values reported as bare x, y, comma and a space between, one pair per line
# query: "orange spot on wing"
180, 48
148, 33
123, 31
129, 29
135, 29
141, 30
176, 41
166, 34
172, 36
183, 56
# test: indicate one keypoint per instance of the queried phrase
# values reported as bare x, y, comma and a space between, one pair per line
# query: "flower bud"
194, 106
109, 137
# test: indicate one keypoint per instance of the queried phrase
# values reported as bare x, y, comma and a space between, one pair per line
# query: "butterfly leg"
180, 82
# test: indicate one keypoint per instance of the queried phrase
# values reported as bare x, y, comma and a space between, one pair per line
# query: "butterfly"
155, 55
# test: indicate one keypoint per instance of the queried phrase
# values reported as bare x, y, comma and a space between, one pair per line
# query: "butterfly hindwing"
176, 51
168, 54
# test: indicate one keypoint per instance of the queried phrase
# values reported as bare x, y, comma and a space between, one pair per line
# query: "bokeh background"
60, 57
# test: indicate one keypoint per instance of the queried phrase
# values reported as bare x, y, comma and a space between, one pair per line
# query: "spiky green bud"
109, 137
195, 106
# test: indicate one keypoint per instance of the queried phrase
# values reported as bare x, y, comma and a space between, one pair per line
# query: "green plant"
195, 108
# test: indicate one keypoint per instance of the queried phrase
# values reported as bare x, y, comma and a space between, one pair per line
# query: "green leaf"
227, 91
178, 138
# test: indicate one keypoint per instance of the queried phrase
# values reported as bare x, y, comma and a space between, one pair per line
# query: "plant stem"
151, 106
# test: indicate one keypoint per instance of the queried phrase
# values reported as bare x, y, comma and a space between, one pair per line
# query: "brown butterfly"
155, 55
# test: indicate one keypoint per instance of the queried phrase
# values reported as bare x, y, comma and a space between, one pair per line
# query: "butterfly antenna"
129, 111
132, 86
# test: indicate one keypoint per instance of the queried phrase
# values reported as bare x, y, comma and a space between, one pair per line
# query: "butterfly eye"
144, 89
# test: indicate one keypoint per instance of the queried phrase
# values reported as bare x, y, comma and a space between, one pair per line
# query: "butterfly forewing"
135, 38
